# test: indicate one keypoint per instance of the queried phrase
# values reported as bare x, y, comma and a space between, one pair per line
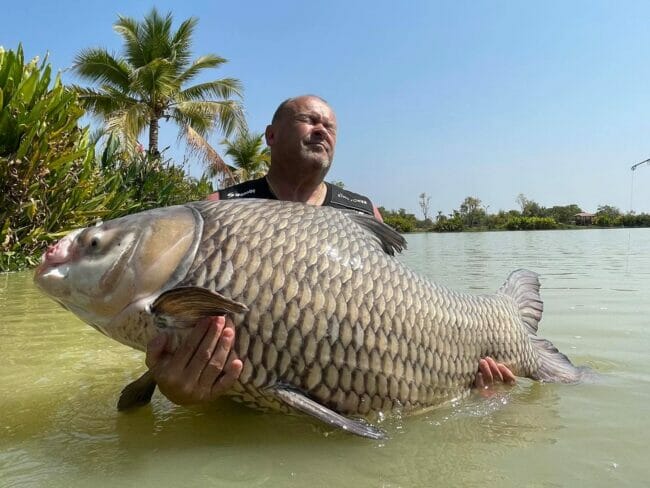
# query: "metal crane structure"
635, 166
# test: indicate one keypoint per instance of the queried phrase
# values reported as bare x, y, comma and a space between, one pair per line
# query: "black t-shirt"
335, 197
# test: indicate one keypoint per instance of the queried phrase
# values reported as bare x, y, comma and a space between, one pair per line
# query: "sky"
488, 99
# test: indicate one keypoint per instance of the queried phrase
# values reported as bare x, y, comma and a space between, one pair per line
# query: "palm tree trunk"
153, 137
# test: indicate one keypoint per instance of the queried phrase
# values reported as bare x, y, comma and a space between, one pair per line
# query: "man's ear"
269, 134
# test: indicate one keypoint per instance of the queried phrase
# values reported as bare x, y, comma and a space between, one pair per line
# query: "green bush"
605, 220
452, 224
140, 182
530, 223
399, 220
400, 223
50, 181
635, 220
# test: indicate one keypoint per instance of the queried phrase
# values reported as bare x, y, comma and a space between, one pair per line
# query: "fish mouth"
61, 252
47, 269
55, 260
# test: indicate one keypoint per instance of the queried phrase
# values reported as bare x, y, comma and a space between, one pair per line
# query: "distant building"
584, 218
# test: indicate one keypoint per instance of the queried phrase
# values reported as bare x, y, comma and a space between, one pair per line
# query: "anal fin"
137, 393
306, 405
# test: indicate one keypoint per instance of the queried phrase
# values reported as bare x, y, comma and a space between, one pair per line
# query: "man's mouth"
318, 144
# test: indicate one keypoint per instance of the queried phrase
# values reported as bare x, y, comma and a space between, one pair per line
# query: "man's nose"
320, 130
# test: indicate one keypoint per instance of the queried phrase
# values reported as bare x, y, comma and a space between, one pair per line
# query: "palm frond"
181, 42
103, 102
129, 29
156, 35
99, 66
230, 116
128, 123
199, 147
154, 80
224, 88
227, 115
204, 62
96, 135
249, 155
194, 114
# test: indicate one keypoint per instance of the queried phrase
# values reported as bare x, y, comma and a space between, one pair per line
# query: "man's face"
304, 134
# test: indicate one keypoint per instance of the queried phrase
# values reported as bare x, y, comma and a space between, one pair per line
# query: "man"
302, 138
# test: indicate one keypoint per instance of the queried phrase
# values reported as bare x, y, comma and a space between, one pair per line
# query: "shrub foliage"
50, 180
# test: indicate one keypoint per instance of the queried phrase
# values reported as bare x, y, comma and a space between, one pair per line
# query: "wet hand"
202, 368
490, 373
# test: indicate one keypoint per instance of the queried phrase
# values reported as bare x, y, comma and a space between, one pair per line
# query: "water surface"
60, 380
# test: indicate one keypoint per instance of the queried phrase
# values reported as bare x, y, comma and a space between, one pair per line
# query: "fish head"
99, 271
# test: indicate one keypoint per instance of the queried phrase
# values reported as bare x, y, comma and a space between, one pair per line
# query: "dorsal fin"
523, 287
391, 241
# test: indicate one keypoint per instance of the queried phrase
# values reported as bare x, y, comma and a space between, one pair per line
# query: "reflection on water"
60, 381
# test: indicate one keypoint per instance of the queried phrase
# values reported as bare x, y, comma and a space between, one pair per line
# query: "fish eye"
93, 241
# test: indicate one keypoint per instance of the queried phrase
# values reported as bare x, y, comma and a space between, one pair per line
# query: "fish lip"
61, 252
54, 257
44, 267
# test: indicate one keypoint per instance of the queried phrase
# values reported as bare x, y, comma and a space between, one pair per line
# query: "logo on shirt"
355, 200
234, 194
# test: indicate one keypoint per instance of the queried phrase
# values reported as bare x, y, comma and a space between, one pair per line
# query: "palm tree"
251, 158
148, 83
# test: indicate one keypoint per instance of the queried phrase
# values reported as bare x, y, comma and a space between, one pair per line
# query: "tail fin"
523, 287
553, 366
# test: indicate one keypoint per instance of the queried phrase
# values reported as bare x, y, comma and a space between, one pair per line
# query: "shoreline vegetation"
471, 216
57, 175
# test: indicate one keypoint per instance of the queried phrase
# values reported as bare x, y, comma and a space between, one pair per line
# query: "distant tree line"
472, 215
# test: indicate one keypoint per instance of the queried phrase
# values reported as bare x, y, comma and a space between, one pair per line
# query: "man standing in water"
302, 138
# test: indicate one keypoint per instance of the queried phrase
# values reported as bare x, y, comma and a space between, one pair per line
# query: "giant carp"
328, 321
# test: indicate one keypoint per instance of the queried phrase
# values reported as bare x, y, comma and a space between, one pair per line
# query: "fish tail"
553, 366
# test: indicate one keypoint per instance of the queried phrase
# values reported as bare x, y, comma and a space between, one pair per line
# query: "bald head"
284, 107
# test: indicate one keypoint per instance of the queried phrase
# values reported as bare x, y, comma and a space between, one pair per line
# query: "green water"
60, 379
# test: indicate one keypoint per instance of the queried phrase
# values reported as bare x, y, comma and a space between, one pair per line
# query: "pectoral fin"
300, 402
138, 393
184, 306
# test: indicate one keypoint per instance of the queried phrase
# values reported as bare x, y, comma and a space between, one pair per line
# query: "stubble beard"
316, 159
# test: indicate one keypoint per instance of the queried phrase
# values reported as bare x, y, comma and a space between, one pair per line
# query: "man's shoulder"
342, 198
258, 188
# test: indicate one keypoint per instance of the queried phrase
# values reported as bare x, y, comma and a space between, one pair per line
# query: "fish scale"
407, 316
